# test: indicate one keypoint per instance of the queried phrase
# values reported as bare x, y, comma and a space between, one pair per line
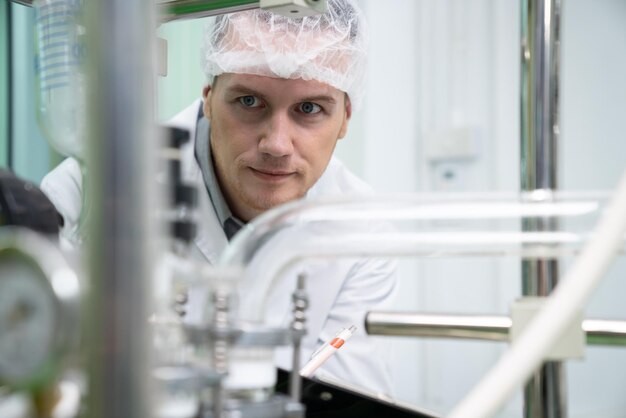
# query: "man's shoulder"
187, 117
64, 187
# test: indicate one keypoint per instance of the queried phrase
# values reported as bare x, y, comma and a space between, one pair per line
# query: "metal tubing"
121, 40
191, 9
539, 93
544, 394
298, 326
477, 327
220, 346
605, 332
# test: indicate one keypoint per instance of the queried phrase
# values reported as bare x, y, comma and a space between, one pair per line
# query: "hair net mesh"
330, 48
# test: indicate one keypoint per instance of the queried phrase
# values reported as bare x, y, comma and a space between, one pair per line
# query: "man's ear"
206, 96
346, 120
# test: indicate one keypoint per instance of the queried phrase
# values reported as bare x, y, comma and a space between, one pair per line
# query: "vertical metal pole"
121, 136
544, 395
298, 326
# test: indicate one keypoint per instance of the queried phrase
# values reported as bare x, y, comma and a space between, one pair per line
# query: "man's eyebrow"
243, 89
320, 98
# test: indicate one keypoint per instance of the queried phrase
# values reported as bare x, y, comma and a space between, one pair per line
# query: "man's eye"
309, 108
250, 101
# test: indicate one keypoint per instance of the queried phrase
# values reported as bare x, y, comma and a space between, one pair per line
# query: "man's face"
271, 138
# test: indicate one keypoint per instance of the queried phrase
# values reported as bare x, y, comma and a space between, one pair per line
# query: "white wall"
594, 156
437, 66
432, 71
185, 78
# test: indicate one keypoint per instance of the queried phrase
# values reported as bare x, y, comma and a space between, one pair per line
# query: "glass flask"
60, 90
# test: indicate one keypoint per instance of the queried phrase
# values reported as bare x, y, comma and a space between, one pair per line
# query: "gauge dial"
28, 316
34, 309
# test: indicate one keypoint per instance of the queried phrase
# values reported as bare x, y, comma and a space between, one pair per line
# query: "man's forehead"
271, 85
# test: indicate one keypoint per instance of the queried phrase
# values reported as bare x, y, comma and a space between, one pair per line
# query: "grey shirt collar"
230, 223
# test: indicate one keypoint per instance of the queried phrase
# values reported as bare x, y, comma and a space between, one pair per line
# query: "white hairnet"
330, 48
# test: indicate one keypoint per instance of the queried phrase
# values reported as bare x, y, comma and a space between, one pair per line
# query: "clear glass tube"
471, 225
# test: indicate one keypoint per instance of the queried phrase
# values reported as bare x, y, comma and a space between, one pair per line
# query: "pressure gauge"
39, 307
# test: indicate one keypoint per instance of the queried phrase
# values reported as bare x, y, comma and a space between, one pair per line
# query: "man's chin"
264, 203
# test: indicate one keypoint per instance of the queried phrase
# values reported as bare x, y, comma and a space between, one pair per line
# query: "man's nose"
276, 140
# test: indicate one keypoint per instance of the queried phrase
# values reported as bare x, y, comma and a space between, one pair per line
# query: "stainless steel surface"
298, 326
539, 93
245, 336
605, 332
122, 136
219, 344
192, 9
544, 395
277, 406
482, 327
477, 327
185, 378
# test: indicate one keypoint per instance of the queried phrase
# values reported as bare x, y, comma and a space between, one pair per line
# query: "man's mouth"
270, 174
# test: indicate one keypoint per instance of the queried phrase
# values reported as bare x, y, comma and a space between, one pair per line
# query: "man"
280, 95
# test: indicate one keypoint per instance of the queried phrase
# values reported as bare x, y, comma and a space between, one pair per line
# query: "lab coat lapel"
325, 279
210, 238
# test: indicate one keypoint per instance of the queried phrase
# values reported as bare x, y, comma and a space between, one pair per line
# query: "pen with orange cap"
327, 350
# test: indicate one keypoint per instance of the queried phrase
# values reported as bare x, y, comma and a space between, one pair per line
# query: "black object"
186, 195
323, 400
183, 196
184, 230
24, 204
177, 137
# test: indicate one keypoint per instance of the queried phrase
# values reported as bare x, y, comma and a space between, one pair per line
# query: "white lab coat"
340, 291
